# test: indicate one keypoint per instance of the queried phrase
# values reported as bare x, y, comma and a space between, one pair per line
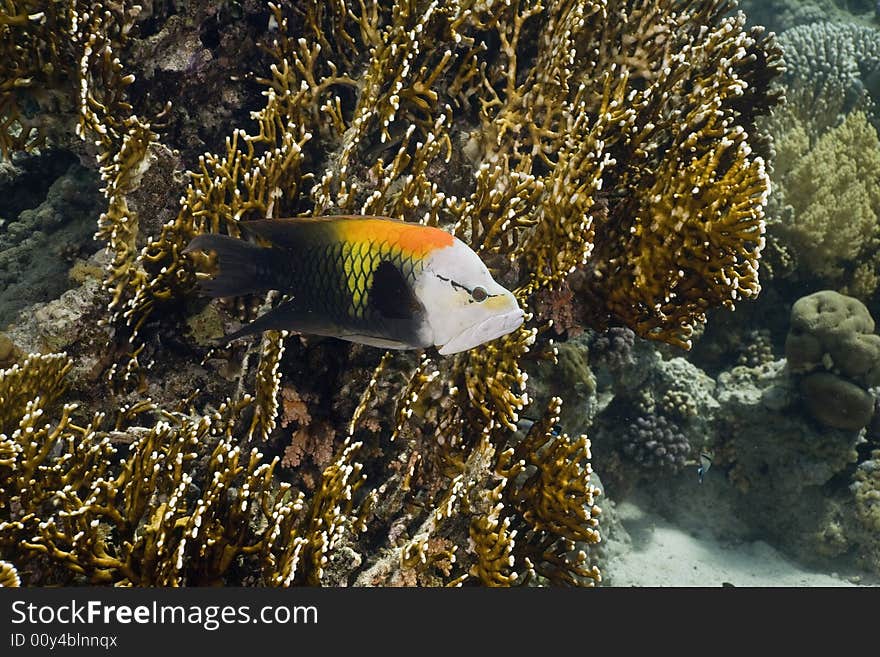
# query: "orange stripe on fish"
415, 240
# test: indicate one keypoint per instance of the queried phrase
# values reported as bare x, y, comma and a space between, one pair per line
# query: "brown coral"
8, 575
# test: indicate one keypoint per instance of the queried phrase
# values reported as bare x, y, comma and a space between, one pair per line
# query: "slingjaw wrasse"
372, 280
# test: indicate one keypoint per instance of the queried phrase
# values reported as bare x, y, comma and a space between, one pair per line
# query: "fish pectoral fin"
287, 316
390, 294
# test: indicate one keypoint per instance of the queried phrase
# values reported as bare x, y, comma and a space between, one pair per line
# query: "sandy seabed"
658, 553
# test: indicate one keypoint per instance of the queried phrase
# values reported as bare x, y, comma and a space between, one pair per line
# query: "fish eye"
479, 293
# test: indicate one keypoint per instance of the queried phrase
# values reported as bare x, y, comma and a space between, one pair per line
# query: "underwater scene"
422, 293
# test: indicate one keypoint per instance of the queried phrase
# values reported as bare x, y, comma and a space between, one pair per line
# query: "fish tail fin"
244, 267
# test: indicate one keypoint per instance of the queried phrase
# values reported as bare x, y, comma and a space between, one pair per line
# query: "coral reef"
780, 15
826, 141
790, 440
605, 149
654, 417
39, 244
786, 440
779, 459
776, 474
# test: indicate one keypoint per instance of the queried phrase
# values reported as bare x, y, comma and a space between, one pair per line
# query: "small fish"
372, 280
705, 464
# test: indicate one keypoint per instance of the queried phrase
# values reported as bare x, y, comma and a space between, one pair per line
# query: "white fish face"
464, 305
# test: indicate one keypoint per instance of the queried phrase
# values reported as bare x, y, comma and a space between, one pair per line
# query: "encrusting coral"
866, 490
614, 140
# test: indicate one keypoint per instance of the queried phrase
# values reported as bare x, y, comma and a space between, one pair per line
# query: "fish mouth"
489, 329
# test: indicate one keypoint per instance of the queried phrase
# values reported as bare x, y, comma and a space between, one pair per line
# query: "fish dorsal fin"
292, 232
390, 294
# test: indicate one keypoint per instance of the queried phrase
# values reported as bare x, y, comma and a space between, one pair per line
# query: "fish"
372, 280
705, 464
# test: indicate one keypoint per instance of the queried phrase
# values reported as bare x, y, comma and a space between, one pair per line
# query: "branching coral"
267, 383
655, 441
554, 501
38, 377
70, 51
531, 512
8, 575
824, 212
688, 231
494, 542
835, 233
609, 137
37, 69
169, 512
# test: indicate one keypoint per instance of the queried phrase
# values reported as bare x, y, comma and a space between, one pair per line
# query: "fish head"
464, 306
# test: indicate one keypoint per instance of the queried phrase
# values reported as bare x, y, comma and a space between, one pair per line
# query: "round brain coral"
835, 402
833, 331
831, 340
